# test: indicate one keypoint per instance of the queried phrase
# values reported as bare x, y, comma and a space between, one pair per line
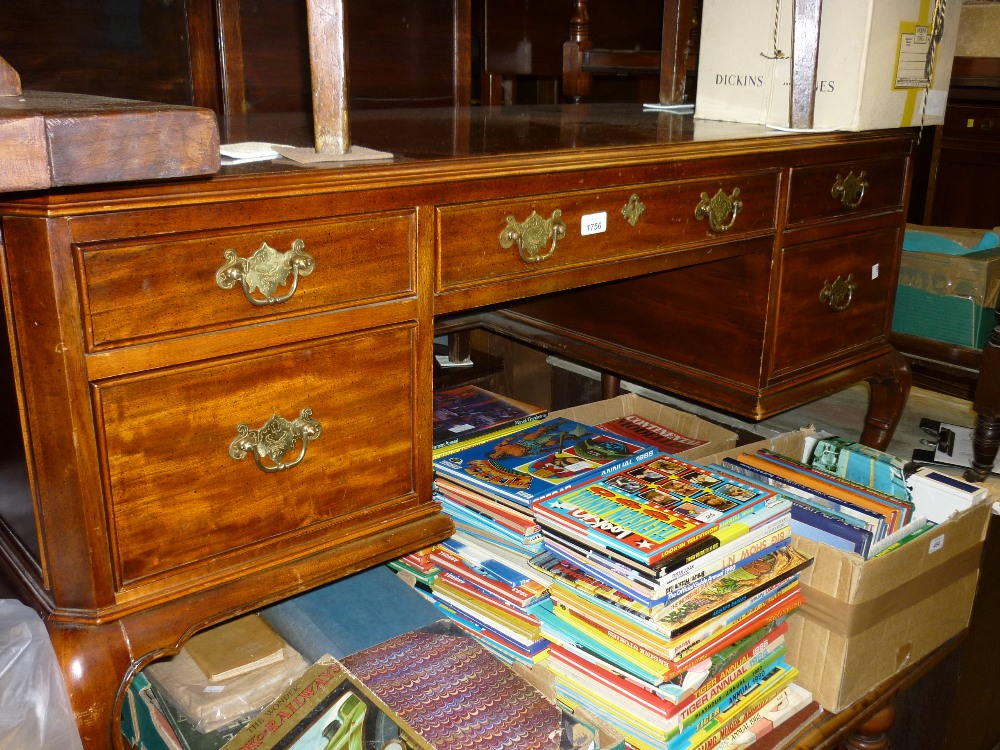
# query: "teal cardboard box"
947, 296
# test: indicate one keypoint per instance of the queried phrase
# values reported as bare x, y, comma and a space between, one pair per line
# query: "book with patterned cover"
459, 696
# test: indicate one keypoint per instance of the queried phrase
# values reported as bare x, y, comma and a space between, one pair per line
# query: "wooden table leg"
986, 404
890, 385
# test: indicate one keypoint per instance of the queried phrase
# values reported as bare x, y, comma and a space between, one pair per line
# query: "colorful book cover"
589, 598
459, 696
540, 461
727, 718
513, 588
651, 510
785, 707
642, 430
901, 511
468, 411
327, 708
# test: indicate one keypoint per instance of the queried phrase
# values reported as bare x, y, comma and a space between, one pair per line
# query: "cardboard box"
686, 424
946, 296
865, 620
871, 72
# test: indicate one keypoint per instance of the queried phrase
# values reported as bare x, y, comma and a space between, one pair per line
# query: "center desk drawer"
154, 288
186, 489
481, 243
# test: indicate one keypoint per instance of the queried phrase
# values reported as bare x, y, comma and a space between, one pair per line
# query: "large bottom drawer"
190, 486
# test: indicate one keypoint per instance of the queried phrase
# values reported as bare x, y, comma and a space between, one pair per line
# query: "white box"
873, 55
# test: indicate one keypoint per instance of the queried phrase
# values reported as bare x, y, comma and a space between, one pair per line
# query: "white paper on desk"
249, 151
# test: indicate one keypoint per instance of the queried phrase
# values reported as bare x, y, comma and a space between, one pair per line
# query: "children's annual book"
650, 510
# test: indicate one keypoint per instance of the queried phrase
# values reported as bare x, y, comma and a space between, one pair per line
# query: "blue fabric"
351, 614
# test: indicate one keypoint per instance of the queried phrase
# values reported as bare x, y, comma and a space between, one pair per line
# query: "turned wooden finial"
10, 81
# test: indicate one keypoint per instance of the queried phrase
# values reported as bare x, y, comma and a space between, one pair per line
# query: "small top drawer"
979, 123
481, 243
156, 288
847, 189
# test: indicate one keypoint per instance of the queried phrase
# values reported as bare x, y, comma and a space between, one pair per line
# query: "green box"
948, 298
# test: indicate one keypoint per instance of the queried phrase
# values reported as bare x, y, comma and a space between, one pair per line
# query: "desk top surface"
436, 145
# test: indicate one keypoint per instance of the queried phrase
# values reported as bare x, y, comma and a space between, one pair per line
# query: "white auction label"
594, 223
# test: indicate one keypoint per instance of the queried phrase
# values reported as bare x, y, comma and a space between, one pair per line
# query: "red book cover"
643, 430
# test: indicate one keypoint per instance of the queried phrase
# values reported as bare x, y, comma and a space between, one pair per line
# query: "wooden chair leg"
986, 404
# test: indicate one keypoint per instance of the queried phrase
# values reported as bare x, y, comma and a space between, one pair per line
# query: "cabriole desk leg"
890, 385
94, 661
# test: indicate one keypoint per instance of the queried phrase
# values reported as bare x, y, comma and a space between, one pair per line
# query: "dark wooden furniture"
964, 182
139, 504
668, 62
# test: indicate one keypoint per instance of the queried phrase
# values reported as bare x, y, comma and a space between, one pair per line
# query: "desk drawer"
182, 501
847, 189
150, 289
475, 244
813, 325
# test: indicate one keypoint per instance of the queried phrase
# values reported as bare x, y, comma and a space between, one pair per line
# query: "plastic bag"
35, 713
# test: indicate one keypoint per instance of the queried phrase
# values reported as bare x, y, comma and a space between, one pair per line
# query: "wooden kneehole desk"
746, 268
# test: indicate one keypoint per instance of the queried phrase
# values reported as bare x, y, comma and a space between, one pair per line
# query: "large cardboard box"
948, 297
882, 63
718, 438
863, 621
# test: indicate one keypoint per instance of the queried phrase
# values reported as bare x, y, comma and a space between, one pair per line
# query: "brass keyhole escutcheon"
850, 190
838, 293
533, 235
633, 209
720, 210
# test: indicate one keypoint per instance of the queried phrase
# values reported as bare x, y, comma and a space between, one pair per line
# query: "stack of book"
666, 614
484, 581
199, 698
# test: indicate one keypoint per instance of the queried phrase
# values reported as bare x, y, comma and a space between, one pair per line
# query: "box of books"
674, 431
865, 619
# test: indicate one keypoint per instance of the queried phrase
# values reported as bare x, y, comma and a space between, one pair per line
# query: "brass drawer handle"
274, 440
633, 209
838, 293
849, 190
266, 271
720, 210
533, 234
